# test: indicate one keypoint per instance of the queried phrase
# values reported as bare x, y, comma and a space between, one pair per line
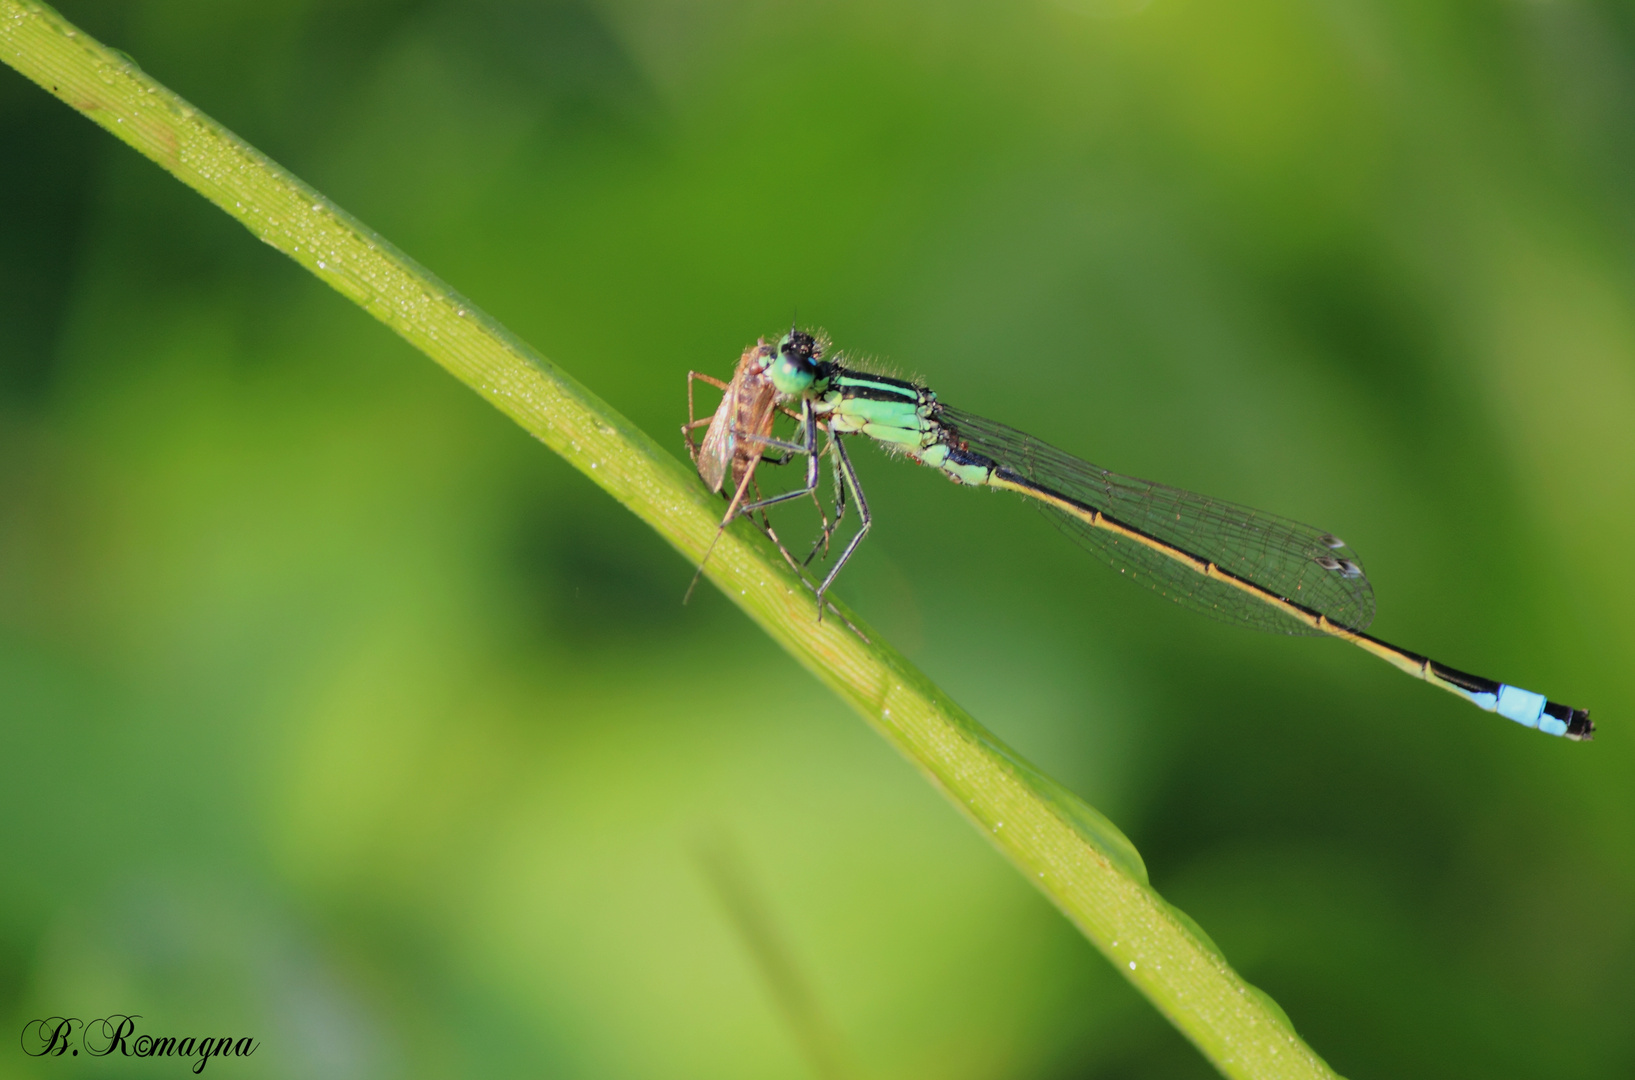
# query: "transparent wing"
1306, 566
715, 452
747, 405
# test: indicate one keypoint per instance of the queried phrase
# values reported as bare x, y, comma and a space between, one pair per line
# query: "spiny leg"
800, 571
808, 446
865, 520
765, 521
734, 509
765, 524
737, 506
822, 542
790, 450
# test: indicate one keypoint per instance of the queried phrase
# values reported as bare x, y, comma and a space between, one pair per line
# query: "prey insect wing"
747, 407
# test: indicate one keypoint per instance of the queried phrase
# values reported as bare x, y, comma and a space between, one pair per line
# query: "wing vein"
1295, 562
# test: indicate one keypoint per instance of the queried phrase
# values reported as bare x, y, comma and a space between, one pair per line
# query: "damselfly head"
801, 345
796, 366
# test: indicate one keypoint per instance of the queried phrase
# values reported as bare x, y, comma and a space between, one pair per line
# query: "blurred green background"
337, 712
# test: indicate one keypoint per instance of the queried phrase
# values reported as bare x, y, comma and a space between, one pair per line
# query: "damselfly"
1230, 562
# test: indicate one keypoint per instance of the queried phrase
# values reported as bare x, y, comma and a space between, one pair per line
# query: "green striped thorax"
893, 411
898, 414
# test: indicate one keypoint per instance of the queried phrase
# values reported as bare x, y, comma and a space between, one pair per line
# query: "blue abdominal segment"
1523, 706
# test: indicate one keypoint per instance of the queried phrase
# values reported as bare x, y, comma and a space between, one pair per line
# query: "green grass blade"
1068, 850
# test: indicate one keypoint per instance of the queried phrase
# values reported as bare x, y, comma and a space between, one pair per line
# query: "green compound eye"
791, 377
796, 366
